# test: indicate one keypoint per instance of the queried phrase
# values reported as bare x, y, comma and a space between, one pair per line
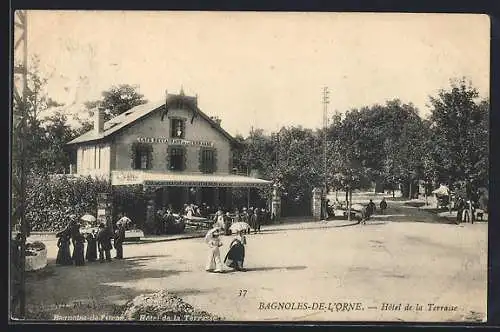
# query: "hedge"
51, 199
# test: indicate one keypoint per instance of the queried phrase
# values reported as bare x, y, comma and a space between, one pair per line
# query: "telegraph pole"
325, 126
248, 170
19, 176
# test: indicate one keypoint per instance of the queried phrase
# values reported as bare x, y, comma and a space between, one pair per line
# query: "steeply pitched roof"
127, 118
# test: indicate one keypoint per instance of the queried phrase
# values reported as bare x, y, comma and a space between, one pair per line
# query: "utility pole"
248, 169
325, 126
19, 176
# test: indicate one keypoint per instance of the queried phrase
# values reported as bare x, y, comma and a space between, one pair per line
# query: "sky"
261, 70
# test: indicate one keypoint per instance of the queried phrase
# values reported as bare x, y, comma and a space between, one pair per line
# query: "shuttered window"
208, 162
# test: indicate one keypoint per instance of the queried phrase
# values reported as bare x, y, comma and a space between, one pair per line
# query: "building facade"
177, 153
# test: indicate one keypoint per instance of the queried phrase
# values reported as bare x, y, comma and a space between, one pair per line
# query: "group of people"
235, 255
246, 220
97, 242
166, 221
167, 218
254, 217
370, 209
466, 210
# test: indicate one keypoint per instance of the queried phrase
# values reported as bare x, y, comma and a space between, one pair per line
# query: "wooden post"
349, 203
449, 195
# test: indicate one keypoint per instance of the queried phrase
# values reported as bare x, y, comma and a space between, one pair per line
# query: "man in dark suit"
255, 220
118, 240
104, 243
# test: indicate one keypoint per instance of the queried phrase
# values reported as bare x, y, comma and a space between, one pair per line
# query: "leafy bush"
51, 199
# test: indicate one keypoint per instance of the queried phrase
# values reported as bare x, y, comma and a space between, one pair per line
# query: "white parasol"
357, 207
442, 191
239, 226
123, 220
88, 218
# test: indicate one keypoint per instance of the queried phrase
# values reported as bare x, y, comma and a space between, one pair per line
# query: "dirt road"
383, 265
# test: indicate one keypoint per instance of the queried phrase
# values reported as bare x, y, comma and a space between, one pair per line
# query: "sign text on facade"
173, 141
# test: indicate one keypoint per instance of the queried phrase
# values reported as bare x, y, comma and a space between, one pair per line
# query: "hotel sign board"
180, 183
173, 141
123, 178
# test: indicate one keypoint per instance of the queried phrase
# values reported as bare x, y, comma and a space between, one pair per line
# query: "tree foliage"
45, 137
117, 100
460, 127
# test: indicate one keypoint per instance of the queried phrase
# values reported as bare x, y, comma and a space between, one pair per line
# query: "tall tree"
459, 122
37, 102
378, 143
117, 100
52, 157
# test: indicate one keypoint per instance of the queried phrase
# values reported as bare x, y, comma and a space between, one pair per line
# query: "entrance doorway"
177, 198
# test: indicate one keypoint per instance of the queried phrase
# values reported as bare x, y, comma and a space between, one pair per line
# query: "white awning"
159, 179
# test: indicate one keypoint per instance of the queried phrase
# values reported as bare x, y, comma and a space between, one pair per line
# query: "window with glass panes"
142, 156
177, 159
177, 128
141, 160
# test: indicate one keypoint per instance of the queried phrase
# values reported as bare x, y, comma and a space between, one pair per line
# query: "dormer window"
177, 128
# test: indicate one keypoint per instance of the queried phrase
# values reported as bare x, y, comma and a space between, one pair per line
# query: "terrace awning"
160, 179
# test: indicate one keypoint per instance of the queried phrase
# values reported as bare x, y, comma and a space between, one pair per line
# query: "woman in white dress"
214, 263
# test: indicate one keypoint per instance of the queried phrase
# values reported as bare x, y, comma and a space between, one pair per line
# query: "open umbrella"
88, 218
123, 220
239, 226
357, 207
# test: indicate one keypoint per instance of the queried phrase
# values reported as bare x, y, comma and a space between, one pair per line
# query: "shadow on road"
91, 289
269, 268
137, 258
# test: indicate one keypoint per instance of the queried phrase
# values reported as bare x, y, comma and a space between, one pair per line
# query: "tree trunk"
349, 205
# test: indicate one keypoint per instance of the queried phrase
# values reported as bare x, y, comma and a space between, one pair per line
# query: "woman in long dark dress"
78, 251
91, 254
63, 253
236, 254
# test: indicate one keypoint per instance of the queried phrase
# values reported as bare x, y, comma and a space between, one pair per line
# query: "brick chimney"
98, 122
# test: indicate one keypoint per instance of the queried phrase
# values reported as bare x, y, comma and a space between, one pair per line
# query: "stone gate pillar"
276, 203
316, 203
150, 215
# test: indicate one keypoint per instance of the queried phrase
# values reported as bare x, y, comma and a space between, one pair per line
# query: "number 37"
243, 292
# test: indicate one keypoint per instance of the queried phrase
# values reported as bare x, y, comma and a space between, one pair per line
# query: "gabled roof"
136, 113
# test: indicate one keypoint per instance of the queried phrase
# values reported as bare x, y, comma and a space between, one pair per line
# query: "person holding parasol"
236, 254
